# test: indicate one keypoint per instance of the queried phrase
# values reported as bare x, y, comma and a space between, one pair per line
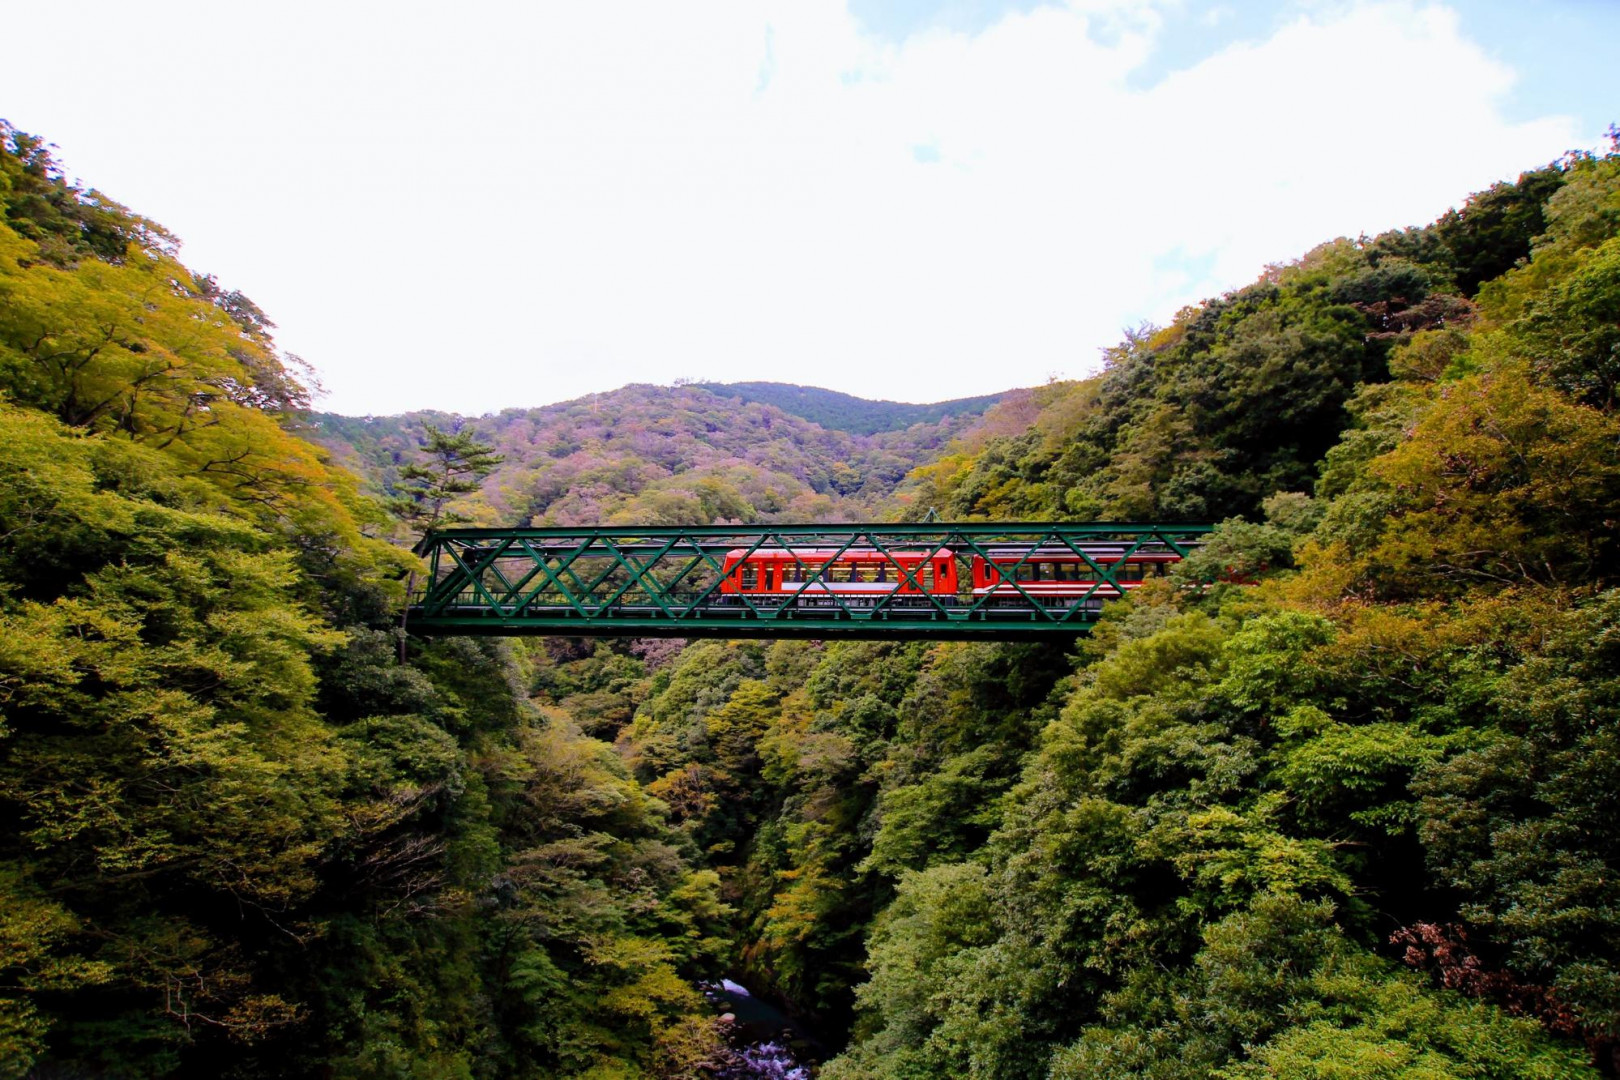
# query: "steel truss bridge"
665, 581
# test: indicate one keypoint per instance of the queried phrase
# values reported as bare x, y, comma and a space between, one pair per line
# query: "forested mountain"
845, 412
1354, 820
658, 455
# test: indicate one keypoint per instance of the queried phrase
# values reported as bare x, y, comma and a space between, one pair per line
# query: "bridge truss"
666, 581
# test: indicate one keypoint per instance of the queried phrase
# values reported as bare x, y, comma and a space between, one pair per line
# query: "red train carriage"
1009, 578
1058, 576
814, 576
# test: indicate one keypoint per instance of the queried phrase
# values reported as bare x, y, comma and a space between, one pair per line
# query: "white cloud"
529, 202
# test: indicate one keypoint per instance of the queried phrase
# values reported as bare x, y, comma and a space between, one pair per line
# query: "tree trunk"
405, 614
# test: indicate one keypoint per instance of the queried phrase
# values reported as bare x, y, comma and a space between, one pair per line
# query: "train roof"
1105, 551
830, 552
1093, 550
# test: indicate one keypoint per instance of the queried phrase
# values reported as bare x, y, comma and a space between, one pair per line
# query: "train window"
866, 573
1067, 571
840, 572
1128, 572
1025, 572
750, 577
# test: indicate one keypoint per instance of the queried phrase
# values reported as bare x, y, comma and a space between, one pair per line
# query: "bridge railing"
668, 580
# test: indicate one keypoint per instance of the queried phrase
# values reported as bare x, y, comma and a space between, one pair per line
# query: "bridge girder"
666, 581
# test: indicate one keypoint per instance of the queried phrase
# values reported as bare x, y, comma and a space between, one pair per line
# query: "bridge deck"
672, 581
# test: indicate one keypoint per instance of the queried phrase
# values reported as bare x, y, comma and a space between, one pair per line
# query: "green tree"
449, 465
452, 465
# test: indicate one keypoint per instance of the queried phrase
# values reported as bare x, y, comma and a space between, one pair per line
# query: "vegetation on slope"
658, 455
237, 837
1243, 395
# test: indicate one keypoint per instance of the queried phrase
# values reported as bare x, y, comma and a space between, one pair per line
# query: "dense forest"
1354, 820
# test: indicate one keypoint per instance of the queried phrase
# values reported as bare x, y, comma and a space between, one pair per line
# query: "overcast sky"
483, 205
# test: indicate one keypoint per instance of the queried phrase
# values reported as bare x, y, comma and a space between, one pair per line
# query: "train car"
830, 577
1009, 578
1056, 576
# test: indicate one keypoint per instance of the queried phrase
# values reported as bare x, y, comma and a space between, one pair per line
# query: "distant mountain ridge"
846, 412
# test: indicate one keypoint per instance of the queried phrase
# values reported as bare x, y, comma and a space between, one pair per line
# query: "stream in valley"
768, 1044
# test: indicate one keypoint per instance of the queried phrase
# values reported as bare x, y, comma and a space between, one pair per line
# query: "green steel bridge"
666, 581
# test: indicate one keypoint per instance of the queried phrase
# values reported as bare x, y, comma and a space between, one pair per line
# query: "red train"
822, 577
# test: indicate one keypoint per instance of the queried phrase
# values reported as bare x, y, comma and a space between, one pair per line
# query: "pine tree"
454, 465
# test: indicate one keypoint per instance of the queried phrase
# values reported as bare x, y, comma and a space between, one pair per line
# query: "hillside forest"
1357, 819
